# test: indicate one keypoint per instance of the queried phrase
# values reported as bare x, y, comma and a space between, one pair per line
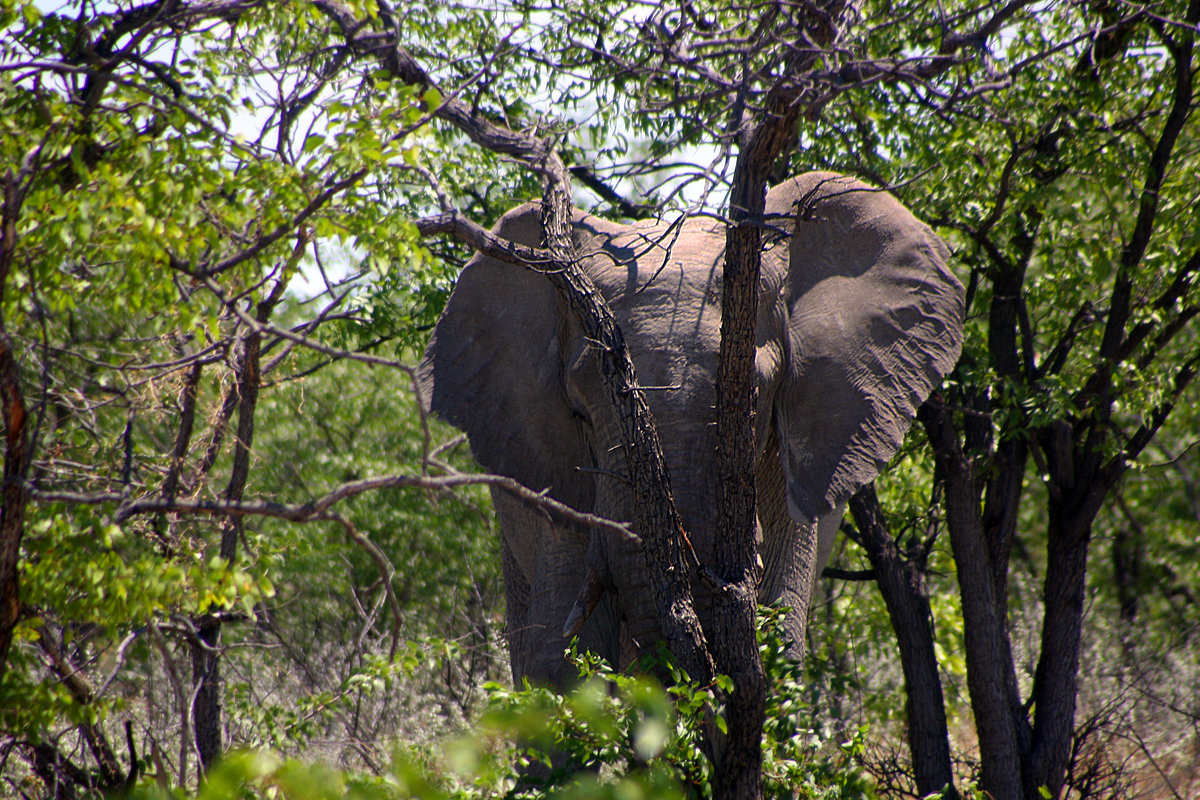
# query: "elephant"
859, 319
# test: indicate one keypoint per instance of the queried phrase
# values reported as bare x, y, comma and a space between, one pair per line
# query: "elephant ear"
494, 369
873, 321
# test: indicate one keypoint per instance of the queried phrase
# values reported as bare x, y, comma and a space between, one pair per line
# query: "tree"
1083, 260
147, 245
171, 168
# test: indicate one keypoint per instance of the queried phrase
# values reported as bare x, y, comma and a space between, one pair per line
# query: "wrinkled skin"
859, 318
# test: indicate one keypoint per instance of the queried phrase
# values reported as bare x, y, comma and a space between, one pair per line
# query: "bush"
613, 736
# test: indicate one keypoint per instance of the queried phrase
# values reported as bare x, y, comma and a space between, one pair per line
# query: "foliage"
615, 736
214, 284
186, 156
1067, 192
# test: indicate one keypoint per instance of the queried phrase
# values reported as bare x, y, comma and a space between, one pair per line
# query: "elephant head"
859, 318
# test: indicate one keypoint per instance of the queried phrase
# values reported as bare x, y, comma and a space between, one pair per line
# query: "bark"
1076, 496
1056, 680
14, 496
990, 679
668, 551
1128, 556
206, 652
902, 584
183, 437
1006, 481
1001, 507
736, 545
206, 691
664, 540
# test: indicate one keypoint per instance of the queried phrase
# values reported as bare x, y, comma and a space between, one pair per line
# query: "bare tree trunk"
902, 584
14, 496
206, 667
990, 679
206, 691
1056, 681
736, 547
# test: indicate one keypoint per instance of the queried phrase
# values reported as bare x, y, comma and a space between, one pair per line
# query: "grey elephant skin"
859, 318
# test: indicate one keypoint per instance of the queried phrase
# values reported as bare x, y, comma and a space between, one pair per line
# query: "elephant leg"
538, 598
797, 555
560, 578
790, 551
516, 611
792, 567
545, 568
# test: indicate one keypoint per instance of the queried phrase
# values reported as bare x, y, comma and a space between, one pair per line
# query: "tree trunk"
902, 584
736, 546
206, 668
206, 692
14, 497
991, 681
1128, 555
1056, 680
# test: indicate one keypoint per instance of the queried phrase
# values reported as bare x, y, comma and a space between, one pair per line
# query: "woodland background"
228, 225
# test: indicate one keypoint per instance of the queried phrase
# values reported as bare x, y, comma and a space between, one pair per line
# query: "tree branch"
663, 538
319, 509
630, 210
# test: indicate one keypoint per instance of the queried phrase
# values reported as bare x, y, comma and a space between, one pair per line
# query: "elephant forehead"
663, 284
634, 259
673, 268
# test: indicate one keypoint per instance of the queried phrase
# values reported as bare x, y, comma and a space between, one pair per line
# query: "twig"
318, 509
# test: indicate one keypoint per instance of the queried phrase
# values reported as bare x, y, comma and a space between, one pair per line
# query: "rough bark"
736, 546
668, 552
902, 584
988, 651
183, 437
1056, 681
1006, 479
206, 691
14, 496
